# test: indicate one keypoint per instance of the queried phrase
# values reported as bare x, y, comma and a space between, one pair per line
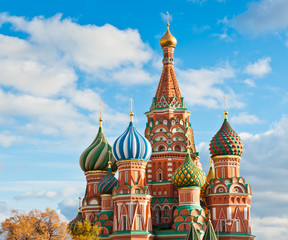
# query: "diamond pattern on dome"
226, 142
188, 174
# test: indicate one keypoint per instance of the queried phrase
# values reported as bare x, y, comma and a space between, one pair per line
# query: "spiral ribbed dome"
96, 156
131, 145
188, 174
107, 184
226, 142
79, 218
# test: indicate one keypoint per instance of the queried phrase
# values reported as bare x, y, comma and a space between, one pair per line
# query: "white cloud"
202, 86
6, 139
89, 47
260, 68
262, 16
245, 118
250, 82
270, 227
40, 194
200, 29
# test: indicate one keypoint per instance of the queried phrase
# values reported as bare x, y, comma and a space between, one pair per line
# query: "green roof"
209, 233
192, 234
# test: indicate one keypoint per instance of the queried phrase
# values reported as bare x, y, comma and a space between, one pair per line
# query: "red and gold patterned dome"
226, 141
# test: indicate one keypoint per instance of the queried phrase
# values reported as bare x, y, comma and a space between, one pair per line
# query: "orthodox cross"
100, 119
131, 113
167, 18
225, 112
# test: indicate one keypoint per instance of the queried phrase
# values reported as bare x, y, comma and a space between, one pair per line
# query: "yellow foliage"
36, 225
85, 231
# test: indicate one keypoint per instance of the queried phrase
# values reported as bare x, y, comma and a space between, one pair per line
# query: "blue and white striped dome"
131, 145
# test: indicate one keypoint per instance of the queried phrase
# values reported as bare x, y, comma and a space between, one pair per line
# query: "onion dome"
107, 184
96, 156
210, 175
226, 141
72, 224
188, 174
131, 145
168, 40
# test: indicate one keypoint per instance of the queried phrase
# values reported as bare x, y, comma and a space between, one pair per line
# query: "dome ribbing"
226, 141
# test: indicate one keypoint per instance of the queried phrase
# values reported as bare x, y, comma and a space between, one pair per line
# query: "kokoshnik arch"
162, 191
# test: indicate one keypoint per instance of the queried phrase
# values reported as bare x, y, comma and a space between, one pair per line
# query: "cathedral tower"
227, 195
94, 163
166, 129
131, 196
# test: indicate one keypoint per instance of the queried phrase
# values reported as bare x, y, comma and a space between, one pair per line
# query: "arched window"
166, 211
158, 215
160, 177
177, 148
161, 149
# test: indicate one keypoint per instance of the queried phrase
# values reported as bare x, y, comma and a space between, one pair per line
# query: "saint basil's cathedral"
161, 191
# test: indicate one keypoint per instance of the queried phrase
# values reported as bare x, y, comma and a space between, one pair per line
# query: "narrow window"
106, 205
233, 171
138, 223
184, 197
95, 189
126, 177
223, 226
237, 225
223, 172
124, 223
136, 176
159, 177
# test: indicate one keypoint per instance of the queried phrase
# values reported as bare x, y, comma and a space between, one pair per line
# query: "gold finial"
168, 19
168, 40
209, 215
188, 146
109, 161
225, 112
100, 119
79, 208
131, 112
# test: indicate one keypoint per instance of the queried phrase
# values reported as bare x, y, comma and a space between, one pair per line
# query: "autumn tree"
34, 225
85, 231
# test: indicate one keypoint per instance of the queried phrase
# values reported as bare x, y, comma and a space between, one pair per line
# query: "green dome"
96, 156
188, 174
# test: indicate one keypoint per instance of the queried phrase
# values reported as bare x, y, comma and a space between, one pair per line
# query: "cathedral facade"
161, 191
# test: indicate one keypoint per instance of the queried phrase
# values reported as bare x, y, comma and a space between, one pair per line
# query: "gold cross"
100, 119
167, 18
188, 135
109, 161
225, 112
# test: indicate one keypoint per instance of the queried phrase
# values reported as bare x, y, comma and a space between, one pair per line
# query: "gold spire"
100, 119
168, 40
79, 208
109, 162
188, 146
131, 112
225, 112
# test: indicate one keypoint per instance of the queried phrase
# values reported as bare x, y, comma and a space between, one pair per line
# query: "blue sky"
59, 59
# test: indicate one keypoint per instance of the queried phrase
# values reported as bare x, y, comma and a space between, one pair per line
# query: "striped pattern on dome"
226, 142
72, 224
131, 145
96, 156
107, 184
188, 174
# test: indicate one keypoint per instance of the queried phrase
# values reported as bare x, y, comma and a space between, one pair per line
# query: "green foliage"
85, 231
